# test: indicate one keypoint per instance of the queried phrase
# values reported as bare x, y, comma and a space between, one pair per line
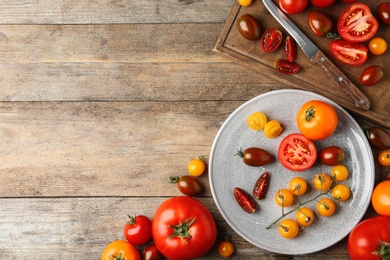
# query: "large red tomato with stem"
293, 6
120, 249
183, 228
370, 239
356, 23
317, 119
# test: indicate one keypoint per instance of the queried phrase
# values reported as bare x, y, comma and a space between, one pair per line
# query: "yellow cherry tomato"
326, 207
288, 228
298, 186
245, 2
322, 182
377, 46
284, 197
340, 172
225, 249
196, 166
384, 158
257, 120
341, 192
304, 216
272, 129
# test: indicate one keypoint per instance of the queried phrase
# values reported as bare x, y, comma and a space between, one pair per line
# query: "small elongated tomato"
322, 182
284, 198
271, 40
377, 46
371, 75
356, 23
246, 202
288, 228
272, 129
257, 120
261, 186
255, 156
354, 54
377, 137
188, 185
151, 253
225, 249
196, 166
298, 186
322, 3
341, 192
138, 230
326, 207
340, 173
384, 12
380, 199
120, 249
249, 27
304, 216
319, 23
332, 155
297, 152
384, 158
290, 49
293, 6
317, 120
286, 67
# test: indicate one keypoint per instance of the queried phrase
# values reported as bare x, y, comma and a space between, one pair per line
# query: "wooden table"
101, 101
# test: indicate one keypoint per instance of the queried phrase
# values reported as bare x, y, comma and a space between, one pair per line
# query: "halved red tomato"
297, 152
356, 23
271, 40
286, 67
290, 49
351, 53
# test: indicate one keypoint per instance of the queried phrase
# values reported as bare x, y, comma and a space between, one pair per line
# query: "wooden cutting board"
311, 77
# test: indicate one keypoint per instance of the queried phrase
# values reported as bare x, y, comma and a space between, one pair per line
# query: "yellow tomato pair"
258, 121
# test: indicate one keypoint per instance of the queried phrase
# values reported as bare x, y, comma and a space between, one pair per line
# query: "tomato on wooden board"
332, 155
290, 48
356, 23
317, 120
371, 75
255, 156
248, 27
380, 198
188, 185
351, 53
286, 67
293, 6
271, 40
368, 237
384, 158
384, 12
297, 152
225, 249
138, 230
319, 22
322, 3
183, 228
377, 137
196, 166
377, 46
151, 253
120, 249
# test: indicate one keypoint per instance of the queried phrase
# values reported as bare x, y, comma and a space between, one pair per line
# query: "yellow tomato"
377, 46
288, 228
196, 166
225, 249
284, 197
341, 192
245, 2
272, 129
322, 182
340, 172
326, 207
304, 216
298, 186
257, 120
384, 158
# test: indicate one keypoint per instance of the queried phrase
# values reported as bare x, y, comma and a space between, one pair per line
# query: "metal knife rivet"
340, 78
322, 59
362, 101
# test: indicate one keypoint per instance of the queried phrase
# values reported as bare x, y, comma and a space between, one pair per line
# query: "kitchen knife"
318, 57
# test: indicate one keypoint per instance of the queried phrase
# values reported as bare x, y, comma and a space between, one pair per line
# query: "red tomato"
138, 230
286, 67
351, 53
371, 75
151, 253
384, 12
322, 3
120, 249
349, 1
255, 156
271, 40
297, 152
183, 228
356, 23
368, 237
248, 27
290, 49
293, 6
319, 22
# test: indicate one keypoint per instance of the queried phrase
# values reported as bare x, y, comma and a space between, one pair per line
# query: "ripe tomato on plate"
351, 53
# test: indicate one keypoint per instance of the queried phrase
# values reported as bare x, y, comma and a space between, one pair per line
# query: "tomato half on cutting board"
351, 53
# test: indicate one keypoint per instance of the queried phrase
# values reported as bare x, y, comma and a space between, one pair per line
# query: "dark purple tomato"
319, 22
188, 185
255, 156
261, 186
246, 201
384, 12
371, 75
151, 253
249, 27
377, 137
332, 155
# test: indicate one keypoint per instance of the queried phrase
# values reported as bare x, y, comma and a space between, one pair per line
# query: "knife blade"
318, 57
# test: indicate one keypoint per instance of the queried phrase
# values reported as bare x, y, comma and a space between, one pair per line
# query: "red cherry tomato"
290, 49
371, 75
350, 53
138, 230
356, 23
319, 22
286, 67
384, 12
271, 40
322, 3
293, 6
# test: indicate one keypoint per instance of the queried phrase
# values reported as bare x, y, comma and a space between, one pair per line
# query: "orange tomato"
304, 216
326, 207
288, 228
317, 120
322, 182
120, 249
284, 198
384, 158
380, 199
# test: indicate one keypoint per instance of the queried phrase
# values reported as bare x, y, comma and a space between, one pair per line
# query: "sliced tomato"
352, 53
271, 40
286, 67
290, 49
356, 23
297, 152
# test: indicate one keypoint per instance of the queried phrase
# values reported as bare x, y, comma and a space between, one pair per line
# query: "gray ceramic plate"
227, 171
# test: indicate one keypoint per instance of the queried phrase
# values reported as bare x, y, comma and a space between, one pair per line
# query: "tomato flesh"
271, 40
246, 202
248, 27
354, 54
297, 152
356, 23
261, 186
290, 49
286, 67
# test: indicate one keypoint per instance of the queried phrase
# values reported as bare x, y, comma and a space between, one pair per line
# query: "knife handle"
341, 80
